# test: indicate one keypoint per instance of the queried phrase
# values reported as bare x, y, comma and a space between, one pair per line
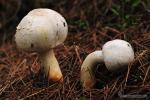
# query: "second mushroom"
115, 54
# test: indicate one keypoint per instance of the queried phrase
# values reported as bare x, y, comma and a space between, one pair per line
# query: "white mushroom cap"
117, 54
40, 30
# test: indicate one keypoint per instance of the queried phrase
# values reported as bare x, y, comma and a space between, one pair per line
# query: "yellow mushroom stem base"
51, 66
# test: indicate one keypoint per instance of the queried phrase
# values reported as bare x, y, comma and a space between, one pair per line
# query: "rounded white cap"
41, 29
117, 54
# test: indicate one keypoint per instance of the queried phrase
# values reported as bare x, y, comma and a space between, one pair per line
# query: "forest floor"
21, 76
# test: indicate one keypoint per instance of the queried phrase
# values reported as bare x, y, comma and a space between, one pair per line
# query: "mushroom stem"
87, 76
51, 66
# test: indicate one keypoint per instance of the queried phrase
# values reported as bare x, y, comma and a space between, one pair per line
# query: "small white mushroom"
40, 31
115, 54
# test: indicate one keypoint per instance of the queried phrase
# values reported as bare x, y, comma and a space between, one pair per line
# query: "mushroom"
40, 31
115, 54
